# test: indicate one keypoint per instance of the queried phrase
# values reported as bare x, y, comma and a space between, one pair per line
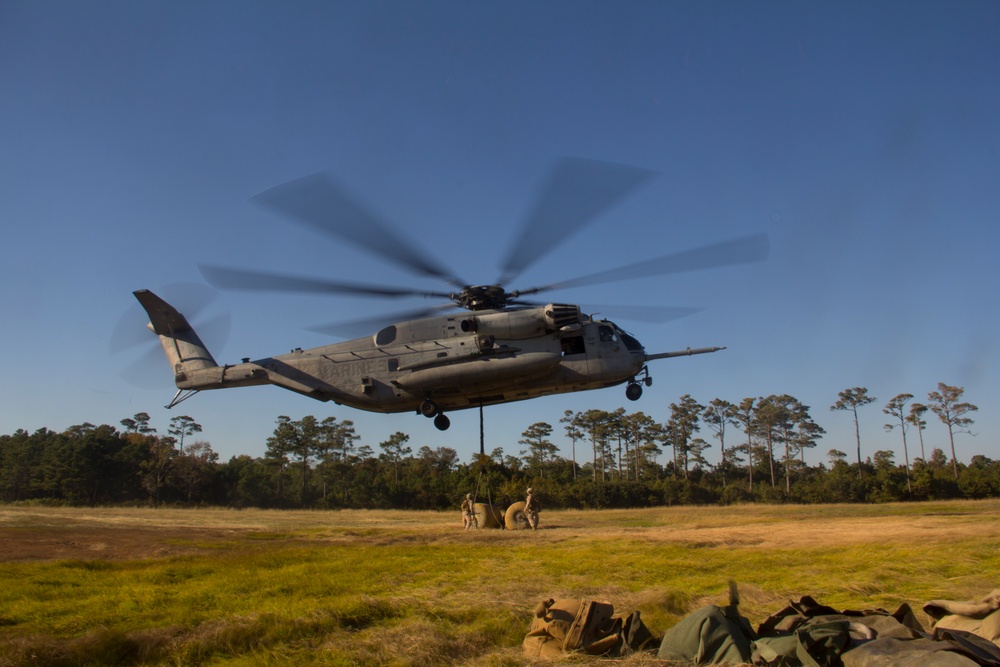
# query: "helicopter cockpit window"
607, 334
386, 336
630, 342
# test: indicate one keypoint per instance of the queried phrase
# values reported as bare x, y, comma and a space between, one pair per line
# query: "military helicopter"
501, 349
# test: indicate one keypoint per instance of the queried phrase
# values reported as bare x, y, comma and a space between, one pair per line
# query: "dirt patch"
57, 533
106, 543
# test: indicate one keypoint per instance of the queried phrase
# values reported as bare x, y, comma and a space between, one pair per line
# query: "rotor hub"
481, 297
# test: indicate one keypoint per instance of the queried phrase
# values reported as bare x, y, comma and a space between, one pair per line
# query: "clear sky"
862, 137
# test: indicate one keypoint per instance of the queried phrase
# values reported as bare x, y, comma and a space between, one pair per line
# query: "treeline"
616, 460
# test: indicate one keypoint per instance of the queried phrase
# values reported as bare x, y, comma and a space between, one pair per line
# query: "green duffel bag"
818, 642
709, 636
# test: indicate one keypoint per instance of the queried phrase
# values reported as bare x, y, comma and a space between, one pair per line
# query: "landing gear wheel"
633, 391
442, 422
648, 381
515, 518
428, 408
487, 516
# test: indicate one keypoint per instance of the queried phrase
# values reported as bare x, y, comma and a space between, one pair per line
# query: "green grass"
413, 589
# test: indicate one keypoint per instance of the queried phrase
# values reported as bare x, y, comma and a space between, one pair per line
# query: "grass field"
253, 587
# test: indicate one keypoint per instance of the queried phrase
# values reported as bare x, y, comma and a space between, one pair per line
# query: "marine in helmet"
531, 508
468, 515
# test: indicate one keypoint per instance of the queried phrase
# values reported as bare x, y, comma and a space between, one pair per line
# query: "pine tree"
894, 408
945, 404
852, 399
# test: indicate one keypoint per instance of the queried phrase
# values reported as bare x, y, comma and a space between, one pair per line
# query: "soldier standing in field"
531, 510
468, 515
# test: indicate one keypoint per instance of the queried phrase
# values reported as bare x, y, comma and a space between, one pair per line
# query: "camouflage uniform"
531, 510
468, 515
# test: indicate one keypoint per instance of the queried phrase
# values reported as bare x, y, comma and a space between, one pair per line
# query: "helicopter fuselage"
430, 365
454, 362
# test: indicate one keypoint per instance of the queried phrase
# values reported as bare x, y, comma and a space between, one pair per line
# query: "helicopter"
502, 348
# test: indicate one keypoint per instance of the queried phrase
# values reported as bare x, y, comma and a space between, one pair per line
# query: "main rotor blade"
743, 250
321, 204
370, 325
240, 279
576, 192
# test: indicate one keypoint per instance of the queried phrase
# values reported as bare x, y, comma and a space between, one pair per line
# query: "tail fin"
184, 348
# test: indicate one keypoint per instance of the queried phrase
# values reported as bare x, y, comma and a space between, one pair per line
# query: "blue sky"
861, 137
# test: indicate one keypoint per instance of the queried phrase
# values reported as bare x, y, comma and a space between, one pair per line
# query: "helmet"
529, 490
469, 496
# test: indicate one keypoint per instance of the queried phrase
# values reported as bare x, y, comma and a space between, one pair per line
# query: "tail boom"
195, 369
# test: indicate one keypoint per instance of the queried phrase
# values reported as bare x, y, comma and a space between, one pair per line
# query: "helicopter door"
573, 345
602, 345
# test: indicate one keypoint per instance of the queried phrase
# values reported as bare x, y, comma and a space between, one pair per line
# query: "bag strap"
574, 638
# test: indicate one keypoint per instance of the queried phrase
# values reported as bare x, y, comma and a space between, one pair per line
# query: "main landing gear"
429, 408
633, 391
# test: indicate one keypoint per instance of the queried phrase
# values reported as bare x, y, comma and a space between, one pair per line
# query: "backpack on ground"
980, 617
583, 626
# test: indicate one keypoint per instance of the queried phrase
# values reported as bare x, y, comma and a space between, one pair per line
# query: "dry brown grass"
768, 527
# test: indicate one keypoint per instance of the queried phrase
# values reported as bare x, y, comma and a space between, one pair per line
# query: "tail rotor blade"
150, 370
214, 331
